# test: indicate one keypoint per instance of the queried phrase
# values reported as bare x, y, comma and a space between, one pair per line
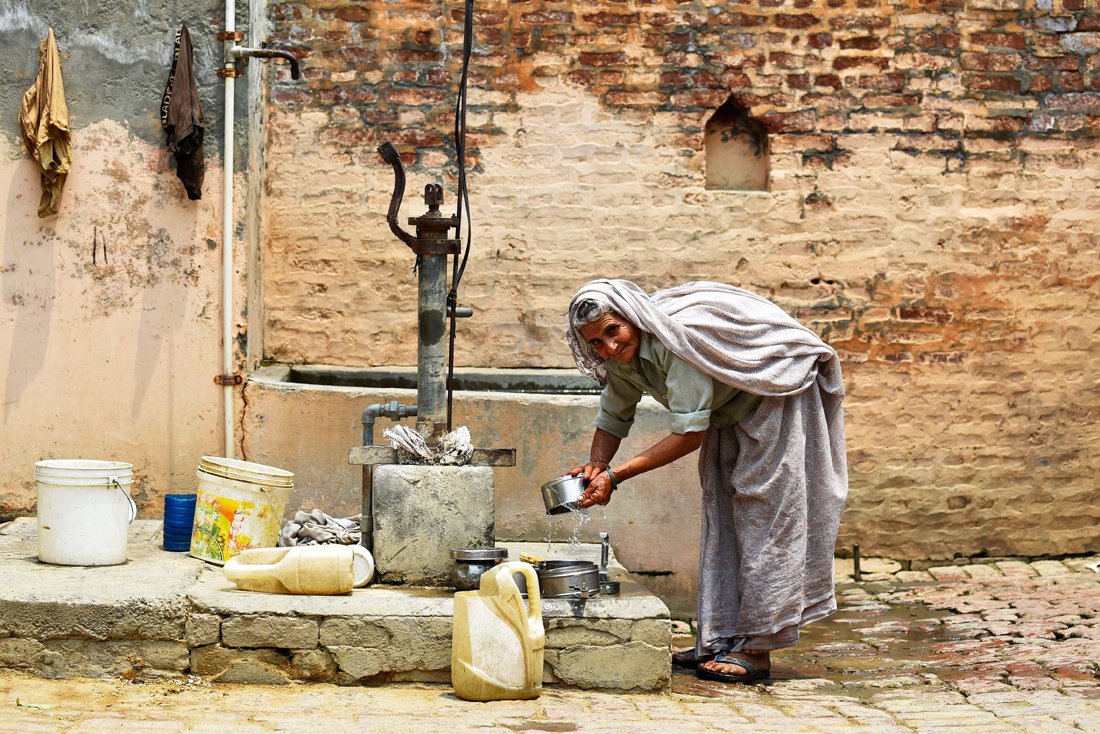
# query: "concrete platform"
168, 614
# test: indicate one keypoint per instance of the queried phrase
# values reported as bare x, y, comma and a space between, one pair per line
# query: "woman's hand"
598, 491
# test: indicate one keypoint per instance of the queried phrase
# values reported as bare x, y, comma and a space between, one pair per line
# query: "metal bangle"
614, 482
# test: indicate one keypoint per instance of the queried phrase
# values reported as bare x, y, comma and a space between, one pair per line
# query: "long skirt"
774, 485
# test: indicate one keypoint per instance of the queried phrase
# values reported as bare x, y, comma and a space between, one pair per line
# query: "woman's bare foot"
760, 660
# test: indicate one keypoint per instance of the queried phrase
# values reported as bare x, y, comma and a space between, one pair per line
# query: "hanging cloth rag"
44, 120
181, 117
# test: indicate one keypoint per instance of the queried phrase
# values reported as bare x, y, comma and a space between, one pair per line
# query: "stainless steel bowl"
470, 563
560, 495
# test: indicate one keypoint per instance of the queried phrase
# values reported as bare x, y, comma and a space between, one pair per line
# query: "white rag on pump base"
774, 483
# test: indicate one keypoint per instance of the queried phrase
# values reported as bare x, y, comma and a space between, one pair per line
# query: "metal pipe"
227, 234
270, 53
431, 380
394, 411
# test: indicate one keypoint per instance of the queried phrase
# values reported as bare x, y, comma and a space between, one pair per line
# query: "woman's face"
612, 337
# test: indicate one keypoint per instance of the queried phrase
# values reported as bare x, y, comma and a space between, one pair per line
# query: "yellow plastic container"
316, 569
497, 646
240, 505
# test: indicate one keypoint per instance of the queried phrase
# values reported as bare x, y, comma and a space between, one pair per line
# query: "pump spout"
270, 53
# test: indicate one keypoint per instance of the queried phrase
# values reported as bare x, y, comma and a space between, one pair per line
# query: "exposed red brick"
591, 58
675, 79
840, 63
869, 22
992, 83
354, 14
892, 82
604, 20
788, 122
416, 97
490, 36
732, 79
286, 11
1089, 23
740, 20
827, 80
582, 78
988, 62
926, 39
417, 55
820, 40
545, 17
1038, 83
1015, 41
1071, 81
785, 60
950, 40
800, 20
483, 18
705, 80
863, 43
799, 81
679, 40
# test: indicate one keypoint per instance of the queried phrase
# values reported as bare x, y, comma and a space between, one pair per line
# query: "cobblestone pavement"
983, 648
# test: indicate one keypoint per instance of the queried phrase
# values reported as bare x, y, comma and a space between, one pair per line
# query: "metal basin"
560, 495
576, 582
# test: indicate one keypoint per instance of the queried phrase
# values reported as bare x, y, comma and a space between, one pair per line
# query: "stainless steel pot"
470, 563
560, 495
569, 582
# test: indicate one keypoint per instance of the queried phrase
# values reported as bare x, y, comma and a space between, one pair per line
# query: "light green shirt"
696, 401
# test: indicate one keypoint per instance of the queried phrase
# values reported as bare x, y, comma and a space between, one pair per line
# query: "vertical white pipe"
227, 238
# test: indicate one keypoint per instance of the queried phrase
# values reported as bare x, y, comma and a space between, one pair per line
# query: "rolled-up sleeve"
690, 396
618, 403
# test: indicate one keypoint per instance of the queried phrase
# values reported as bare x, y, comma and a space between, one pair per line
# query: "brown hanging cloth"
181, 117
44, 119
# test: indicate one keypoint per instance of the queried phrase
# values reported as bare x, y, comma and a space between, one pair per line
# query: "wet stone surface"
981, 649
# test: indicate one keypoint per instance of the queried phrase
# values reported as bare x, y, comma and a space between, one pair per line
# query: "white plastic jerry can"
313, 569
497, 646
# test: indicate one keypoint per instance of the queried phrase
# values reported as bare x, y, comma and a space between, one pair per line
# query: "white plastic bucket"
84, 508
240, 505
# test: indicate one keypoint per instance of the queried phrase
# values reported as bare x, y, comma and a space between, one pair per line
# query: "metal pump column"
432, 247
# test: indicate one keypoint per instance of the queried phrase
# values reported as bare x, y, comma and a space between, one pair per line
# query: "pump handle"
389, 155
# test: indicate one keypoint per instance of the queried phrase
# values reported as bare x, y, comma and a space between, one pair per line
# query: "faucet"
267, 53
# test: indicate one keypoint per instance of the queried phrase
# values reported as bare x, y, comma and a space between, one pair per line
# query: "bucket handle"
207, 533
129, 499
271, 504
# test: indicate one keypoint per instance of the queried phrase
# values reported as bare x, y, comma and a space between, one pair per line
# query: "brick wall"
931, 214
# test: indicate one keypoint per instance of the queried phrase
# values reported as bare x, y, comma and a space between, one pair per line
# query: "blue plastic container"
179, 519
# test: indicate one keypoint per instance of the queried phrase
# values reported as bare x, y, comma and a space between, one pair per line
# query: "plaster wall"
112, 358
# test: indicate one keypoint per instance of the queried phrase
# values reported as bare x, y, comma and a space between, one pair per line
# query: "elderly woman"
761, 395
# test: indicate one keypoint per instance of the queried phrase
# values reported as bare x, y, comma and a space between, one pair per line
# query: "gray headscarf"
737, 337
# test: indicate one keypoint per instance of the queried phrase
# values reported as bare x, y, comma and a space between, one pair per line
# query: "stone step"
168, 614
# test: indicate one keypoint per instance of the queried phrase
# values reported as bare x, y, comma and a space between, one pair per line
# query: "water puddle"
865, 647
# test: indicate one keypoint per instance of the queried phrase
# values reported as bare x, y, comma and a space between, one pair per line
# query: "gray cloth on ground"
774, 483
317, 528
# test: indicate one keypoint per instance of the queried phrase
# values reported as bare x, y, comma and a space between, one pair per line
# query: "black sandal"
688, 659
752, 673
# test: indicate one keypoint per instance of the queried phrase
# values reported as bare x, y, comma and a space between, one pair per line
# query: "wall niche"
737, 154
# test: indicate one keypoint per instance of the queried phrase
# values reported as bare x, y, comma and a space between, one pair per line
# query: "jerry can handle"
534, 594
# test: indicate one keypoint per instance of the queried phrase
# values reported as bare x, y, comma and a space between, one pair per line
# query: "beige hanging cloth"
45, 122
